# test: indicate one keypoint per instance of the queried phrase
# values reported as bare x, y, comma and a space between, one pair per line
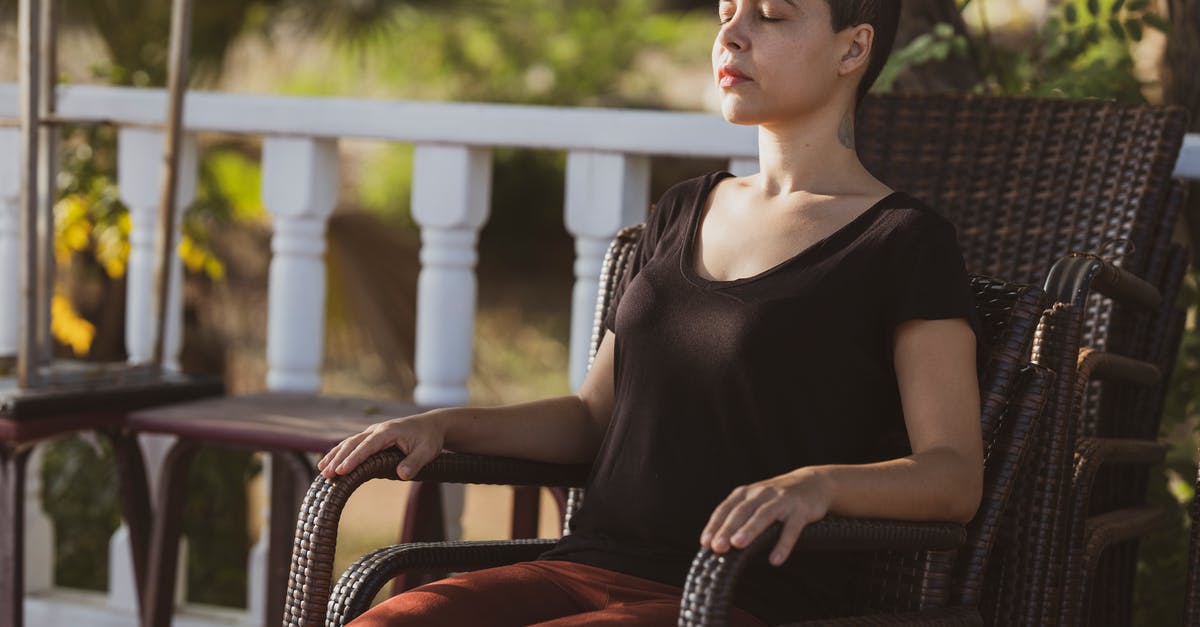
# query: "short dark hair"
884, 16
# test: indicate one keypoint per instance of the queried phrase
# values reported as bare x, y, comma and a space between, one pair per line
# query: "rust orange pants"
548, 593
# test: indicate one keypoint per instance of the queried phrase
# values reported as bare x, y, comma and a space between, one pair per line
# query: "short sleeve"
929, 277
641, 254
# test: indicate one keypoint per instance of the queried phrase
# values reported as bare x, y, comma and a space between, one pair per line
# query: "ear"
857, 49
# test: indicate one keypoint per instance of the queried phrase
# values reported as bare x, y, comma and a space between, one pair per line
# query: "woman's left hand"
796, 499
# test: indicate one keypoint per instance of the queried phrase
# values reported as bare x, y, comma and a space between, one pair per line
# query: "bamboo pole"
181, 15
29, 32
47, 174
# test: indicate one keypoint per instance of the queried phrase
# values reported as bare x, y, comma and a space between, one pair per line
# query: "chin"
739, 115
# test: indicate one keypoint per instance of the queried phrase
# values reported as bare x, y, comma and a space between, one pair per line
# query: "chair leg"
135, 501
526, 510
159, 595
291, 473
12, 537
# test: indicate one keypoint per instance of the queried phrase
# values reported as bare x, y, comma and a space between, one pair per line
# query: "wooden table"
289, 426
30, 416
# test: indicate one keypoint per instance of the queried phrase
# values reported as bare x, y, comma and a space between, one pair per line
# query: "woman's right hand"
420, 437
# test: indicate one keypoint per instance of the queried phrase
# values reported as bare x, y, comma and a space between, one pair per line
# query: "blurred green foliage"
79, 493
1081, 51
540, 52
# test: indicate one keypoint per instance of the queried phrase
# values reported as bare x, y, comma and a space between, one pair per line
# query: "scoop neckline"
687, 260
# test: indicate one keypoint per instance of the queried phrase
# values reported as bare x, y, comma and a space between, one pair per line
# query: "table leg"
161, 575
423, 522
135, 501
12, 537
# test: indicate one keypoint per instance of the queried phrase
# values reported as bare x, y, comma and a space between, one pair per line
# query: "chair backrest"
1027, 181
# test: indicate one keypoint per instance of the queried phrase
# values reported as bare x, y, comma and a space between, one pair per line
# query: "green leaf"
1157, 22
1114, 25
1134, 26
1117, 5
1093, 7
1138, 5
1071, 14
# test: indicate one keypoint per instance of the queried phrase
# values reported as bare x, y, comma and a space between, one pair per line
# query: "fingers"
335, 457
766, 514
792, 526
717, 518
416, 459
365, 447
737, 516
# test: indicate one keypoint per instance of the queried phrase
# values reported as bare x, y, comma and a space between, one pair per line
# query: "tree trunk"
1182, 87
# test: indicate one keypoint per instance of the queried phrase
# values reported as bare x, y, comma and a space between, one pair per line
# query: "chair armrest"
1109, 528
316, 528
1072, 278
357, 587
1091, 535
938, 617
1091, 455
708, 589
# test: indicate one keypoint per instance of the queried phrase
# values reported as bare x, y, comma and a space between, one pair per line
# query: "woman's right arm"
565, 429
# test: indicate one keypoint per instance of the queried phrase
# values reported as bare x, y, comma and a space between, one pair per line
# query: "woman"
753, 371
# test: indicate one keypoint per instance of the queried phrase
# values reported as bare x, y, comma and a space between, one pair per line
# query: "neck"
814, 154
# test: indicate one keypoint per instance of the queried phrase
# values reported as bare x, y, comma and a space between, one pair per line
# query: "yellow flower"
70, 328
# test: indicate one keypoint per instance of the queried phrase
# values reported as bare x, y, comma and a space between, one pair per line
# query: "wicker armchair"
913, 562
1028, 182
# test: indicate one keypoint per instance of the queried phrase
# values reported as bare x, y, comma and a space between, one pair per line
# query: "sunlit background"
593, 53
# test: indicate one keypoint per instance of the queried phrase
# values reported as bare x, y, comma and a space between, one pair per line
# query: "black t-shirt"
724, 383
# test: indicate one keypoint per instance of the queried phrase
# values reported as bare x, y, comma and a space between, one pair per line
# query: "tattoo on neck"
846, 130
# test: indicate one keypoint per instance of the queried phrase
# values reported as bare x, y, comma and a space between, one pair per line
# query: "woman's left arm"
941, 480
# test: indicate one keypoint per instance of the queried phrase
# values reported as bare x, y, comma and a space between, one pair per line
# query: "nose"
731, 36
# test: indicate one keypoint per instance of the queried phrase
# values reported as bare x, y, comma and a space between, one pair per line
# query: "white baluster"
605, 192
139, 173
452, 186
451, 190
256, 566
300, 181
743, 166
10, 242
39, 531
140, 155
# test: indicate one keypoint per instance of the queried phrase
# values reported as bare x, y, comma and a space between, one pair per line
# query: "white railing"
607, 183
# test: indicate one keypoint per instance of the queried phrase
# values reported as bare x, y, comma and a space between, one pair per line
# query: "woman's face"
775, 61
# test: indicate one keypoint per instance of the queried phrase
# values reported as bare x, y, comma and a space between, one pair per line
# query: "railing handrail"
466, 124
626, 131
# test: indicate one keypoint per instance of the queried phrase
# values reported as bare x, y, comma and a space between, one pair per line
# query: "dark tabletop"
39, 413
271, 420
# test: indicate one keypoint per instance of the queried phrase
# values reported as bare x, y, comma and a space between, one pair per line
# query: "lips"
728, 76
